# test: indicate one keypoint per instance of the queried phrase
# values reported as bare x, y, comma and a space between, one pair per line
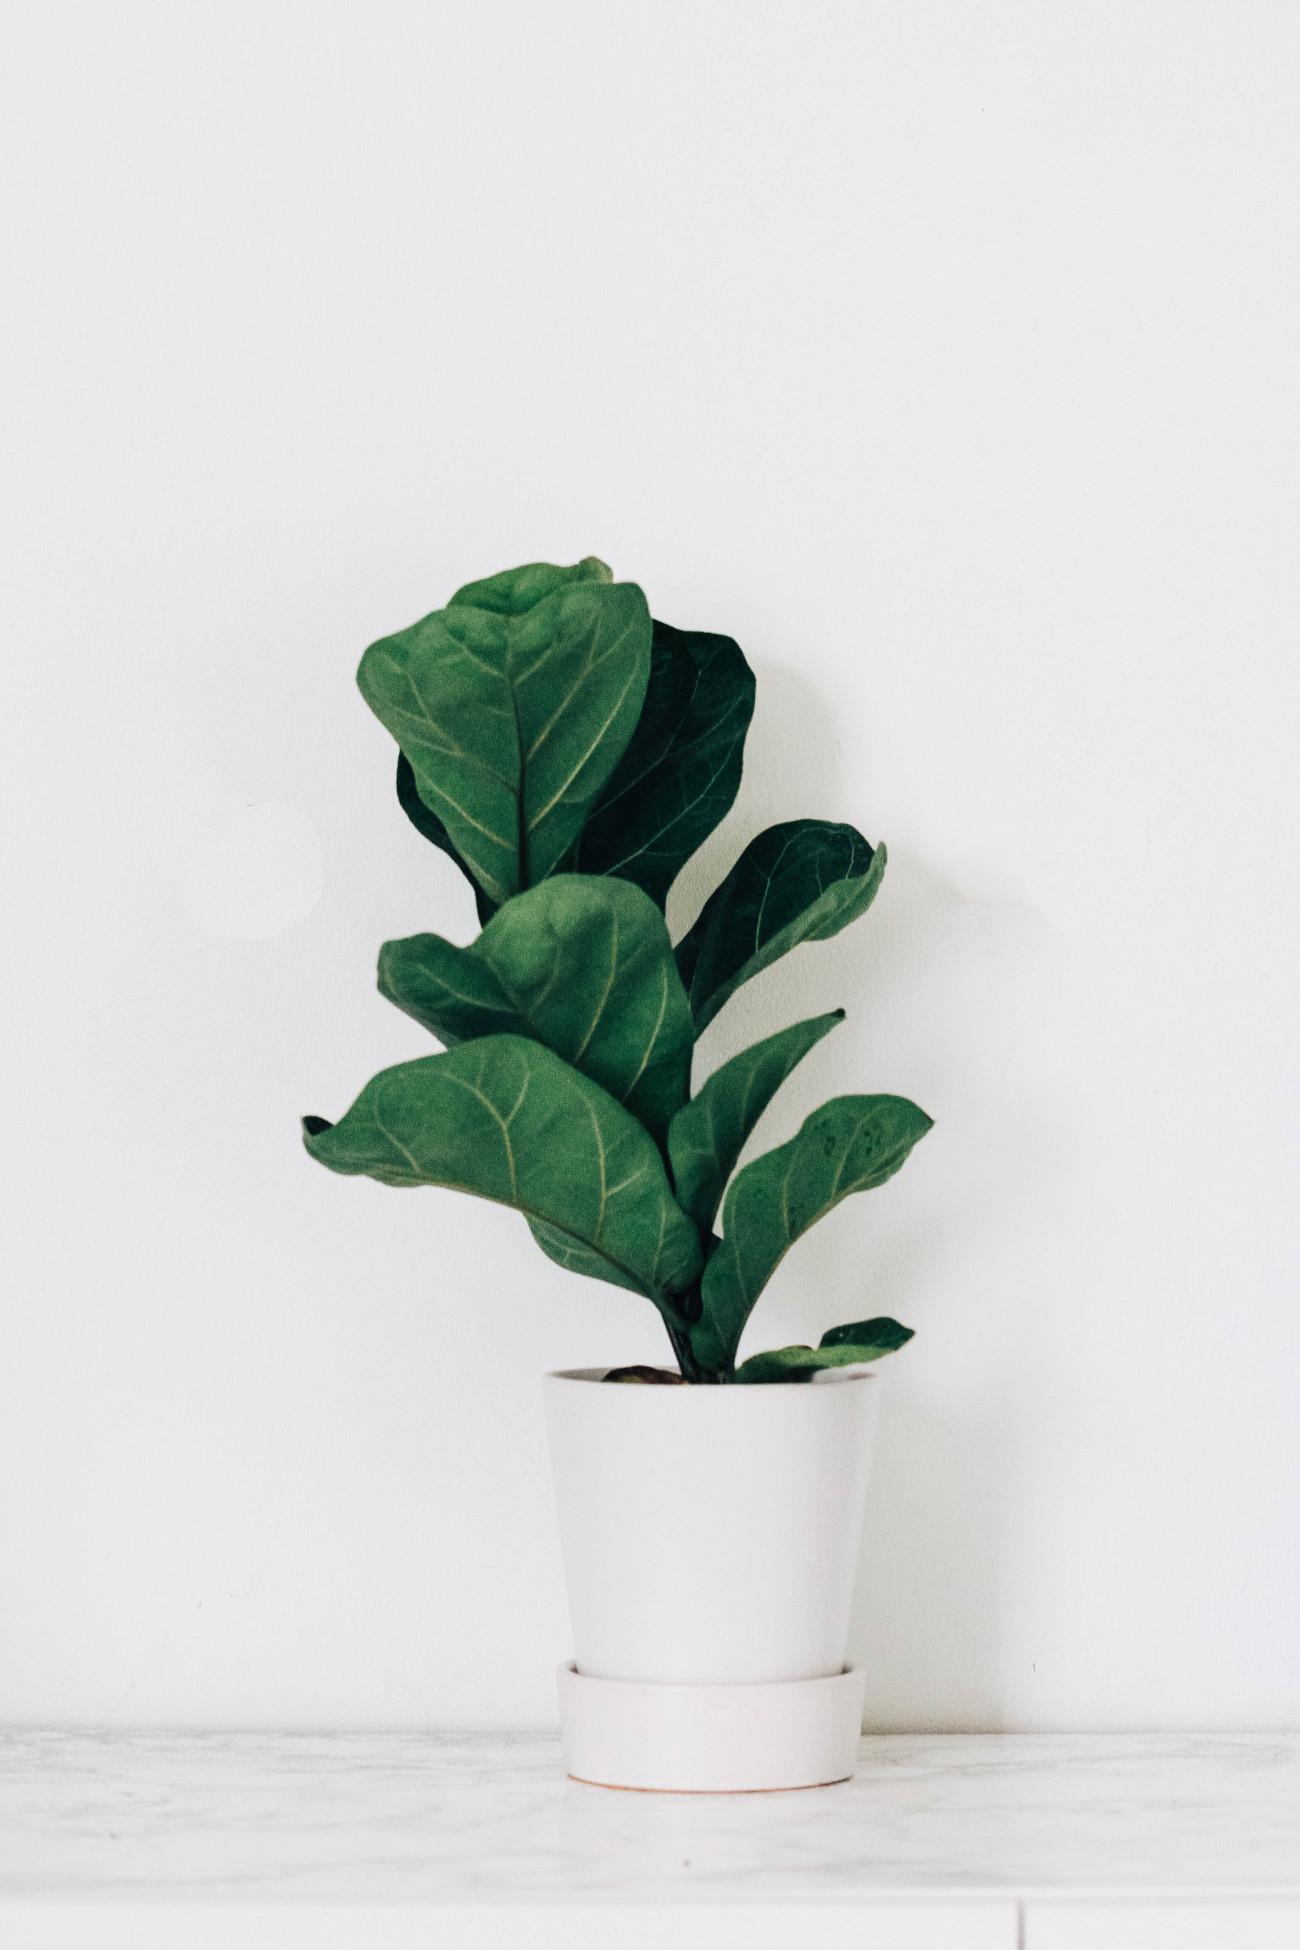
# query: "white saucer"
793, 1733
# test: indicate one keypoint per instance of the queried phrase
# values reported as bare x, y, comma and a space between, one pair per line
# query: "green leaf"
883, 1334
508, 1120
850, 1145
513, 709
843, 1347
642, 1375
432, 829
569, 1253
584, 966
679, 775
800, 881
513, 591
510, 593
708, 1134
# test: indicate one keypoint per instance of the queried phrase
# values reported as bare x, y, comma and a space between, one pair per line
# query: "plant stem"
686, 1361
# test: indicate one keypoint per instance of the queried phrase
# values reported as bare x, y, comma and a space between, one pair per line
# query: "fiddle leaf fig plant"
570, 754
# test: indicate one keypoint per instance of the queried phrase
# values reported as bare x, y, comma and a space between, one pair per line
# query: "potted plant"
569, 754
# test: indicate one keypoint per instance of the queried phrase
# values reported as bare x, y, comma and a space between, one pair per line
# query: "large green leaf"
585, 966
432, 829
850, 1145
510, 1121
513, 709
510, 593
708, 1134
844, 1347
680, 773
801, 881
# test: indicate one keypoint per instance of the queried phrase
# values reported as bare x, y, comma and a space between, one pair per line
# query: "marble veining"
461, 1818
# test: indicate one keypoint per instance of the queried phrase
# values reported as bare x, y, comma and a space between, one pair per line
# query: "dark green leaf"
508, 1120
513, 711
583, 965
801, 881
850, 1145
431, 827
641, 1374
707, 1135
882, 1333
680, 773
843, 1347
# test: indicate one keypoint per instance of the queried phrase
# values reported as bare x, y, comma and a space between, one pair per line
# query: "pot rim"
692, 1390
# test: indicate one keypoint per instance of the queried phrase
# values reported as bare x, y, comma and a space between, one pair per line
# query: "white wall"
944, 355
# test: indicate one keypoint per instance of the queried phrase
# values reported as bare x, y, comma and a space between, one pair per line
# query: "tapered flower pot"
711, 1539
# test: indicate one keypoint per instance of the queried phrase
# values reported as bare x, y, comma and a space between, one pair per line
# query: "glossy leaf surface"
513, 591
844, 1347
850, 1145
708, 1134
801, 881
582, 964
508, 1120
679, 775
510, 593
513, 709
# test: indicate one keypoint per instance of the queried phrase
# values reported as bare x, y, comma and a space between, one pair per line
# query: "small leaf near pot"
652, 1377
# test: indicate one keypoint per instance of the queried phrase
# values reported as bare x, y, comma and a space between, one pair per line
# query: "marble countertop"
491, 1819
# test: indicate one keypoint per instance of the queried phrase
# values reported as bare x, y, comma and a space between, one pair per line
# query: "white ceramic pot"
711, 1539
